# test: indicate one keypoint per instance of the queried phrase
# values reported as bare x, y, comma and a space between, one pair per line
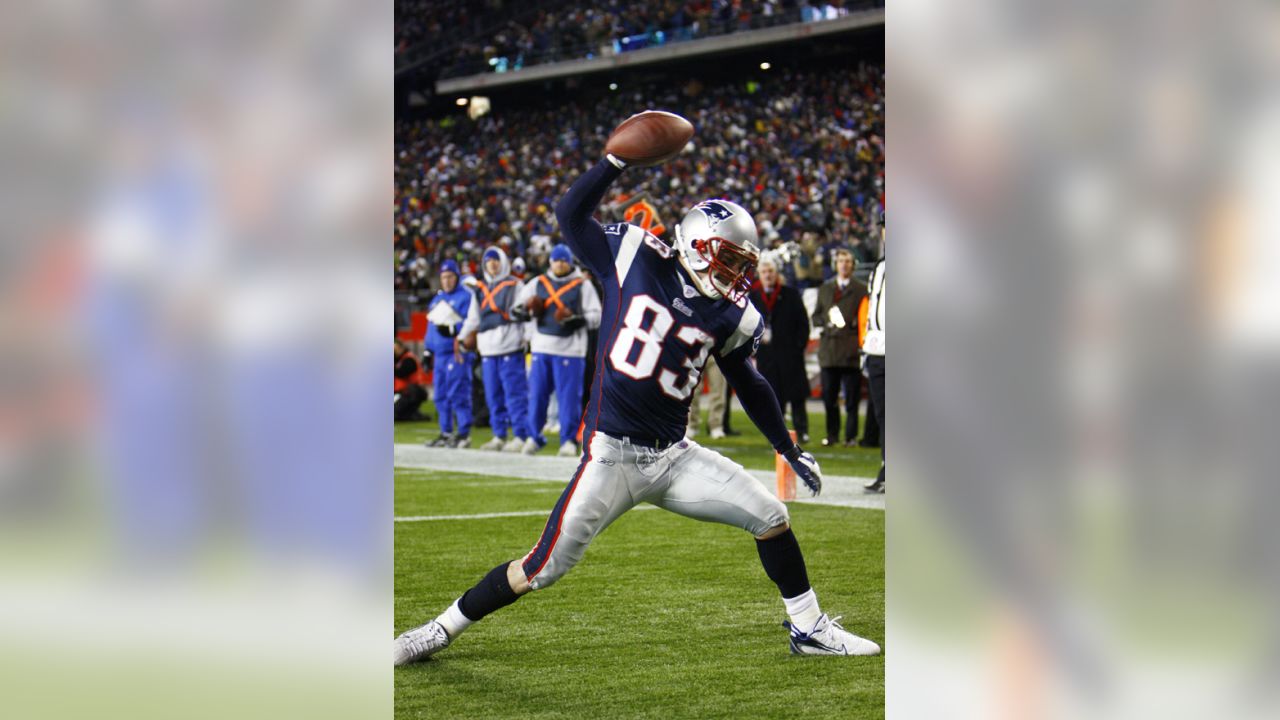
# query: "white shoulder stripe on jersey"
631, 241
745, 332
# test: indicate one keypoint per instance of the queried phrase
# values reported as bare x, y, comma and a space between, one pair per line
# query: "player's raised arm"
584, 236
642, 140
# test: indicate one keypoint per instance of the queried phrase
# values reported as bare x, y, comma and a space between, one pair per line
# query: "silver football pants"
616, 475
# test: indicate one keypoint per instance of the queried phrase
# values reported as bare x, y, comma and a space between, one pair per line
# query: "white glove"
806, 467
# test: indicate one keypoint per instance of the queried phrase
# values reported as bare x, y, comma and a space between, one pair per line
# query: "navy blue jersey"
656, 329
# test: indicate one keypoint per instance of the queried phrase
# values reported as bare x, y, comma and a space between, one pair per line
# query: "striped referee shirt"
873, 344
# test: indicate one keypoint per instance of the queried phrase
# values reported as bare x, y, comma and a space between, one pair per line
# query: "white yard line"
477, 516
486, 516
838, 490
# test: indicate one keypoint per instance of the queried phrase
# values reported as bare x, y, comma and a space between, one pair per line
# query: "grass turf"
665, 617
748, 449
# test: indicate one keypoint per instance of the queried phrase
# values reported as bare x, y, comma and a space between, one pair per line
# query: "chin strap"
703, 286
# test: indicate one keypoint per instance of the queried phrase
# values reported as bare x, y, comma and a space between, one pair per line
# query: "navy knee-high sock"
493, 592
784, 563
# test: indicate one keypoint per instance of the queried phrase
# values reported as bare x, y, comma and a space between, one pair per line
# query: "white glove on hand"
806, 468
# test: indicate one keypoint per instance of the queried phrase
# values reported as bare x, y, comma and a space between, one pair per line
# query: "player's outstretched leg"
812, 631
501, 587
708, 486
597, 495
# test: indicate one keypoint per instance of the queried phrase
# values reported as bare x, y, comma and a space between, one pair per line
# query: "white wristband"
616, 161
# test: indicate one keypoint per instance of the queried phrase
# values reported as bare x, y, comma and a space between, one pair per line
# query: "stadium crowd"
438, 23
566, 31
802, 150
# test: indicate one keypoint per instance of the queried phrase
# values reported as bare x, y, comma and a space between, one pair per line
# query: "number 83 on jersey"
646, 324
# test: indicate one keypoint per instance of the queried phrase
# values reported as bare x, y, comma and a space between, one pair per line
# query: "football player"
665, 312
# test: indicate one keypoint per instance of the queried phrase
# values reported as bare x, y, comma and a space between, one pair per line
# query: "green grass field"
665, 617
748, 449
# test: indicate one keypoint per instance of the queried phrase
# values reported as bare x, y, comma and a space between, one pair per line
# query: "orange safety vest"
489, 295
553, 295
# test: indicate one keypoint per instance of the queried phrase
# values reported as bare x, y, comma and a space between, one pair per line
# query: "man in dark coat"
836, 314
780, 358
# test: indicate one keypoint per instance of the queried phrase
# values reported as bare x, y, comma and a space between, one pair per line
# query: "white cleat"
569, 449
495, 444
828, 638
421, 643
514, 445
717, 434
530, 447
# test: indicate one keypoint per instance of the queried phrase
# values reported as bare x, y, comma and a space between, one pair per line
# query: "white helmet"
719, 237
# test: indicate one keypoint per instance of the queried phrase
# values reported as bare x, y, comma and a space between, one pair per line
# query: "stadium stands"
500, 35
803, 149
434, 28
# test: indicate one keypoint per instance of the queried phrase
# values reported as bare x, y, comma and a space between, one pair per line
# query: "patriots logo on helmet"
715, 212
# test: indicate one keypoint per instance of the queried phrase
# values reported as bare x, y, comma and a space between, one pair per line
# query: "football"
649, 138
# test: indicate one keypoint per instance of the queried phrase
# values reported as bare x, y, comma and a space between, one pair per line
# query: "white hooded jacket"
505, 338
